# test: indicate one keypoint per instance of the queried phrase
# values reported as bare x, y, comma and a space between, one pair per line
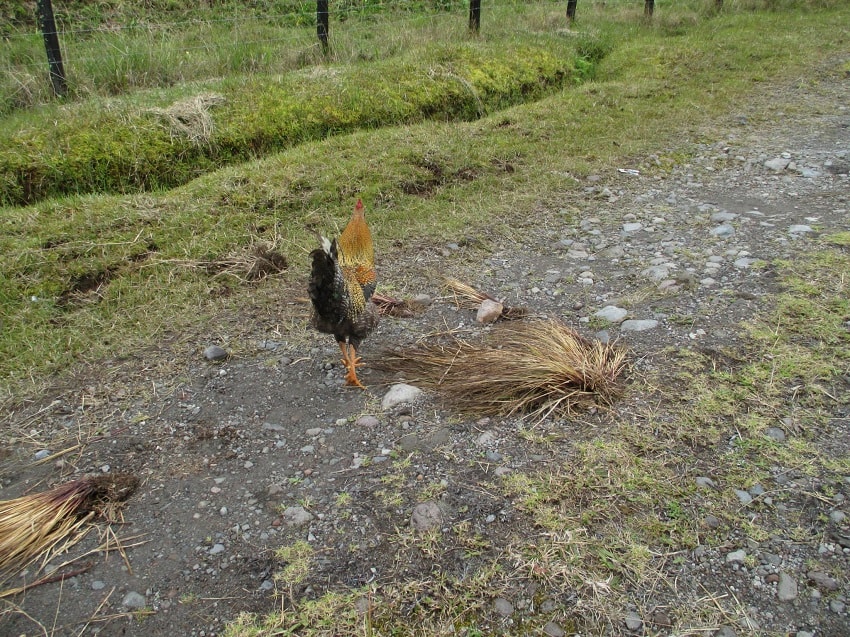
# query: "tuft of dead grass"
467, 297
538, 368
33, 525
190, 118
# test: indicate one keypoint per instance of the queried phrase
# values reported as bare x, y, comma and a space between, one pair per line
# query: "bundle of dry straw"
36, 524
467, 297
538, 368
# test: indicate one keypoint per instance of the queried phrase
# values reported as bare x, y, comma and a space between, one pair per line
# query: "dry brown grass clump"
467, 297
539, 368
34, 525
191, 117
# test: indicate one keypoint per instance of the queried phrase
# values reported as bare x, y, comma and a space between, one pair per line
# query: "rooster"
342, 281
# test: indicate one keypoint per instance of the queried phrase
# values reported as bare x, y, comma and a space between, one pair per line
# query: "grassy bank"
162, 140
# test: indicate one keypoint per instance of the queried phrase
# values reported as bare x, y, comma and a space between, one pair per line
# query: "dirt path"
239, 458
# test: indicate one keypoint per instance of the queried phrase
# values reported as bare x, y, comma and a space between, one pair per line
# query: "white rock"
722, 231
134, 600
612, 314
721, 217
744, 262
632, 227
398, 394
633, 621
633, 325
297, 516
777, 164
736, 557
786, 589
656, 273
799, 229
489, 311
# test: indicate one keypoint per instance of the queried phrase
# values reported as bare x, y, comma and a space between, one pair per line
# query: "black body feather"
334, 310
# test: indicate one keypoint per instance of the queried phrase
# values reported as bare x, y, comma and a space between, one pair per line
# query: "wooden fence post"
47, 24
322, 23
474, 15
571, 10
648, 8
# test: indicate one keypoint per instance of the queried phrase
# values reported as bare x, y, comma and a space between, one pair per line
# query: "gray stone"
632, 227
837, 516
725, 631
736, 557
486, 438
743, 496
656, 273
799, 229
553, 630
786, 589
837, 606
216, 549
633, 621
426, 516
297, 516
215, 353
366, 421
777, 164
775, 433
722, 217
503, 607
744, 262
273, 426
42, 454
409, 442
612, 314
134, 600
723, 231
633, 325
822, 580
706, 483
399, 394
98, 585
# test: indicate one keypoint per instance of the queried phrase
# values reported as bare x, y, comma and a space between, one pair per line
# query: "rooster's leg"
351, 362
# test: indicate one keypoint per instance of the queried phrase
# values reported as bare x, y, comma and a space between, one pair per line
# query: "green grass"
127, 145
92, 275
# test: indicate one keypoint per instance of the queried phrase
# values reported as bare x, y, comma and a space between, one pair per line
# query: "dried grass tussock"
34, 525
468, 298
191, 117
537, 368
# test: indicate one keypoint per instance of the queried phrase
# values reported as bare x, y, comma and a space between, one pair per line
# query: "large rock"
612, 314
398, 394
489, 311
